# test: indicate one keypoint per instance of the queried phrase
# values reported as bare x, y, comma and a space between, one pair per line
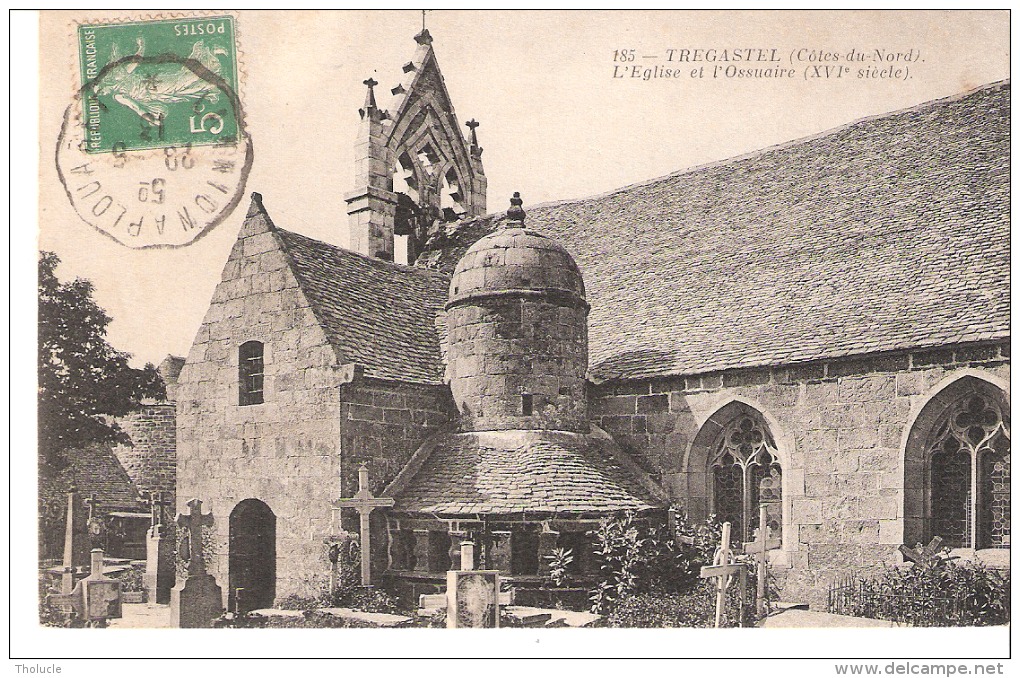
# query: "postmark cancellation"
153, 149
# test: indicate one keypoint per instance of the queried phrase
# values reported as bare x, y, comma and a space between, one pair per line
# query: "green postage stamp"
153, 150
158, 83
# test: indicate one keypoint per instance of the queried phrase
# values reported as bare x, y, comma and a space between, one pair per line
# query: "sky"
555, 122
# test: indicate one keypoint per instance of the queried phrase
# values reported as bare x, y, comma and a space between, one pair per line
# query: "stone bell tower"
413, 167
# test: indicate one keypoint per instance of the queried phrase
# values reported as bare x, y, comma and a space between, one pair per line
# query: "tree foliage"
84, 383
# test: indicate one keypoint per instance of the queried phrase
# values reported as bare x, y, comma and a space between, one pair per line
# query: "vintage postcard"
559, 324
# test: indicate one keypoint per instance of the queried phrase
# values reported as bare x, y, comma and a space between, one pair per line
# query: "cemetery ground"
650, 576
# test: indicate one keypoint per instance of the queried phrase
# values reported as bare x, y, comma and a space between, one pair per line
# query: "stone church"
820, 328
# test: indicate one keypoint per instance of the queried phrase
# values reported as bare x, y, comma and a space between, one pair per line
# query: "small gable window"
251, 373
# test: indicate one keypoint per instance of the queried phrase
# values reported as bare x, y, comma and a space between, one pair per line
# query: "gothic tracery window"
968, 475
746, 475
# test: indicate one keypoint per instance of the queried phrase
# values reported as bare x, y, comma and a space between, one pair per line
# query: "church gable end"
284, 450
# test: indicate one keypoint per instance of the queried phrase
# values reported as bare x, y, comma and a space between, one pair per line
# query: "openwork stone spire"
414, 167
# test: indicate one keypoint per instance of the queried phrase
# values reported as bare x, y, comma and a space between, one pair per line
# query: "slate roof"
513, 472
375, 313
889, 233
94, 470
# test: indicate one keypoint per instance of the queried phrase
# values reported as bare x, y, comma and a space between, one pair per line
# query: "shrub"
661, 609
636, 558
294, 601
559, 564
939, 592
620, 551
370, 600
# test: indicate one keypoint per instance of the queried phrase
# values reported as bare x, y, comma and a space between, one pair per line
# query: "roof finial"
423, 38
516, 212
370, 104
476, 150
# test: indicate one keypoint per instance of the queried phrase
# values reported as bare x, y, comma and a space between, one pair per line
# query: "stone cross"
921, 554
723, 570
364, 503
760, 548
193, 523
472, 125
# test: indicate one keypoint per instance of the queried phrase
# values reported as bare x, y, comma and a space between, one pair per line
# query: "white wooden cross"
193, 523
723, 570
760, 548
364, 503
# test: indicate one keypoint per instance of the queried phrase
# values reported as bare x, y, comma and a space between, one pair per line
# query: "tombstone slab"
159, 566
198, 600
472, 599
159, 562
195, 602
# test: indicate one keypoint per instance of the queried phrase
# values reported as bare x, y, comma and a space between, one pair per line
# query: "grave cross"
193, 523
723, 570
760, 548
364, 503
154, 501
921, 554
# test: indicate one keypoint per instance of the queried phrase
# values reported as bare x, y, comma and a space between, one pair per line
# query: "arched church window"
968, 475
251, 373
746, 475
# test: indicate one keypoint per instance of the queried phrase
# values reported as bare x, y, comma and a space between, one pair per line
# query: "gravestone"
159, 566
472, 596
198, 600
75, 538
97, 598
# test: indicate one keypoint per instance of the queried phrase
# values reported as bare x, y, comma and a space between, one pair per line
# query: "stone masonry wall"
383, 424
285, 451
841, 427
151, 458
502, 349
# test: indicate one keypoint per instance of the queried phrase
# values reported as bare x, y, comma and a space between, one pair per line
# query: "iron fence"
857, 597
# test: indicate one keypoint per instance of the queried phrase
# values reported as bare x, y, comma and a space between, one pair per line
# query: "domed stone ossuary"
518, 333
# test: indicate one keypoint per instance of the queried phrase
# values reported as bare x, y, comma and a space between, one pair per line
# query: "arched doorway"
252, 556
